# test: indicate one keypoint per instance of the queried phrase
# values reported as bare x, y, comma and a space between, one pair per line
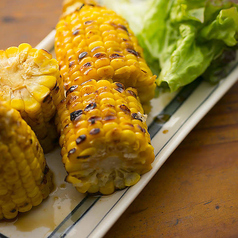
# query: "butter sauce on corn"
25, 177
30, 83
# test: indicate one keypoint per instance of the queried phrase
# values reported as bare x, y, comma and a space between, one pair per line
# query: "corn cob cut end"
30, 83
105, 142
25, 177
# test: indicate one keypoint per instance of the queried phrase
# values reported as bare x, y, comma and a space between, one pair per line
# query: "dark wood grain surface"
195, 193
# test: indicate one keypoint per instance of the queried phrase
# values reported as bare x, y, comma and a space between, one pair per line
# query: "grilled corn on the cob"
93, 42
30, 83
104, 138
25, 178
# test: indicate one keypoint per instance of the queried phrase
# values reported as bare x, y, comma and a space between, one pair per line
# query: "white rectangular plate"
67, 213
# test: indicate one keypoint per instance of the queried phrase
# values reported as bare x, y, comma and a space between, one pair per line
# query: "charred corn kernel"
30, 83
107, 146
25, 178
104, 46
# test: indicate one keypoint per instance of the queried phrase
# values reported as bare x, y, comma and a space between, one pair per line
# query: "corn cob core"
25, 178
30, 83
104, 138
95, 43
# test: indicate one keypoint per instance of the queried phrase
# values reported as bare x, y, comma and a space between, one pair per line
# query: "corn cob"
93, 42
104, 138
30, 83
25, 178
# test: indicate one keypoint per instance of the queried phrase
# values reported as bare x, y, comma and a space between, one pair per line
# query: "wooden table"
195, 193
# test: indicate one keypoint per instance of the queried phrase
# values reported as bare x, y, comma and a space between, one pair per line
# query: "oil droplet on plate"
165, 131
63, 186
42, 218
162, 118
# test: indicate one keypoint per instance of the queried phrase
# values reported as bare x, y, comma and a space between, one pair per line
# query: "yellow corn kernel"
25, 178
105, 72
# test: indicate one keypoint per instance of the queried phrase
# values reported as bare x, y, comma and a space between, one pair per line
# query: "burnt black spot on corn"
93, 119
90, 106
132, 93
94, 131
142, 129
119, 85
82, 55
125, 109
115, 55
22, 166
99, 55
81, 7
120, 90
86, 82
67, 125
124, 28
88, 22
71, 64
136, 116
81, 139
83, 157
109, 118
107, 49
30, 82
75, 115
71, 89
133, 52
55, 86
57, 89
72, 151
46, 170
47, 99
88, 64
76, 32
110, 105
95, 49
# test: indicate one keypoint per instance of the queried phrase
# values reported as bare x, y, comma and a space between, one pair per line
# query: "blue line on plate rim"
108, 211
62, 235
173, 106
3, 236
55, 233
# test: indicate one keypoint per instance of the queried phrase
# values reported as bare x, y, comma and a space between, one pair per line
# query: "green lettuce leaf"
191, 39
188, 60
132, 10
182, 38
